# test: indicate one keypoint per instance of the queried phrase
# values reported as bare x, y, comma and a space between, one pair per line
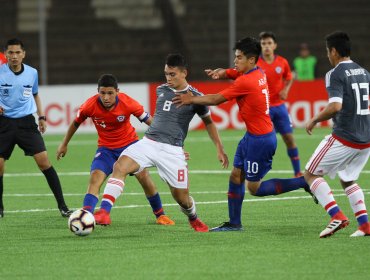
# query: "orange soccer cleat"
164, 220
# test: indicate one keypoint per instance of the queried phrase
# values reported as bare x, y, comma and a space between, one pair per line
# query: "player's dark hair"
340, 41
13, 42
176, 60
250, 47
267, 34
107, 80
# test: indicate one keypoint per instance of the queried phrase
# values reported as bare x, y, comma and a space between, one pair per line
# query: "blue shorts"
281, 119
105, 158
254, 155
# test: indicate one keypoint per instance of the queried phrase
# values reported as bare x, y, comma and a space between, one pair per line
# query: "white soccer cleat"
333, 226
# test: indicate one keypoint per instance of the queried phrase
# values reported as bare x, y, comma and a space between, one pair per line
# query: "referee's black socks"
1, 192
54, 184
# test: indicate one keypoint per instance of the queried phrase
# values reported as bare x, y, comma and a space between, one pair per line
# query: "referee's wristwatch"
42, 118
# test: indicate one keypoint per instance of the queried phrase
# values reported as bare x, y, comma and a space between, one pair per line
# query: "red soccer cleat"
198, 225
363, 230
102, 217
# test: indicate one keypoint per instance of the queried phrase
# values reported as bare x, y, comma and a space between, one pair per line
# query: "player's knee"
236, 178
119, 168
252, 188
252, 191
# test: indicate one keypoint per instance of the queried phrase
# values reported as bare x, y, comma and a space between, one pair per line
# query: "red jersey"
114, 127
277, 72
251, 93
3, 59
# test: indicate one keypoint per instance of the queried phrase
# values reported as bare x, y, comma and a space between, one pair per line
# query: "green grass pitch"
280, 240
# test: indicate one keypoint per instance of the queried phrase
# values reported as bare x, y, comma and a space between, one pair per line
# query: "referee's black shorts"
23, 132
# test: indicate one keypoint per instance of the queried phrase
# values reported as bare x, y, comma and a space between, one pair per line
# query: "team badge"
120, 118
278, 69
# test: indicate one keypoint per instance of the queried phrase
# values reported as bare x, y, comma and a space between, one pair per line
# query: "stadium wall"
62, 102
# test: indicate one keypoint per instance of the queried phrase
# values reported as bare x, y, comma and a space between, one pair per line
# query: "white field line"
82, 173
267, 199
136, 193
189, 139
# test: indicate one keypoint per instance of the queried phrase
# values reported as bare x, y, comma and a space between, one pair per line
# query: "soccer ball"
81, 222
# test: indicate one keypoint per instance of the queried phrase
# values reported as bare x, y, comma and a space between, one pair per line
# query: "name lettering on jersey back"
354, 72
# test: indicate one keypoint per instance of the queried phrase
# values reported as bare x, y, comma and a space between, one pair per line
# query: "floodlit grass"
280, 240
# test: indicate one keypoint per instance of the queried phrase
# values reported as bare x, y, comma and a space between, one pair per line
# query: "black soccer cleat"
1, 213
307, 189
65, 212
227, 226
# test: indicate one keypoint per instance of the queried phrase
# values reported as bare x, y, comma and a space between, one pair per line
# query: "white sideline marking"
39, 174
175, 204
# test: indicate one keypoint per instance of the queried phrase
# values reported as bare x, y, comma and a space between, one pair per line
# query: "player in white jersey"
346, 151
162, 146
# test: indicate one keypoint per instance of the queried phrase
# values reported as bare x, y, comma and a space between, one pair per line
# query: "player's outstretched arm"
215, 137
330, 111
63, 147
188, 98
216, 74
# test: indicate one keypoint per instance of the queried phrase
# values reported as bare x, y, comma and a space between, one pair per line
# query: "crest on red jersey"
120, 118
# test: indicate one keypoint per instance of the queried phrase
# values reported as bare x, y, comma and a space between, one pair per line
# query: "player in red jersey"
110, 111
3, 59
279, 80
253, 157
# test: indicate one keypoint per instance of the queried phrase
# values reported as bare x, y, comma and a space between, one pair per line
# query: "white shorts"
169, 160
332, 157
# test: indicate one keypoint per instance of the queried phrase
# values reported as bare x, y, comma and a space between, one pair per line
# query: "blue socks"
105, 204
333, 211
156, 204
294, 158
90, 202
235, 201
278, 186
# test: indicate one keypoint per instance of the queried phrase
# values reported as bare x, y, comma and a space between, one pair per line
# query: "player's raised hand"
183, 99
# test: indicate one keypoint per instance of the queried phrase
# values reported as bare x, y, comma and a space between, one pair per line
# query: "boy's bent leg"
114, 188
153, 198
